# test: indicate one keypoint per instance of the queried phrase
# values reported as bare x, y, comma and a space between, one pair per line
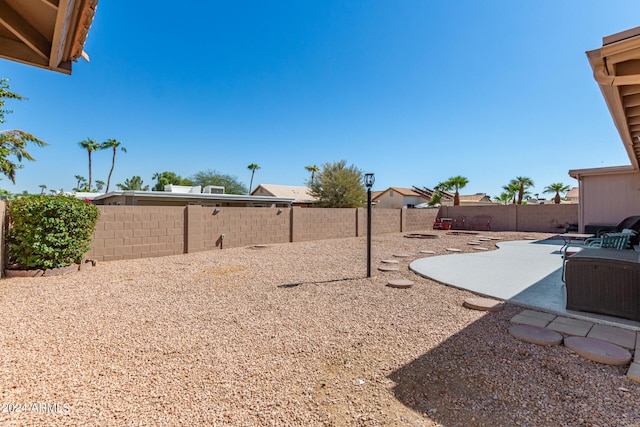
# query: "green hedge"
49, 231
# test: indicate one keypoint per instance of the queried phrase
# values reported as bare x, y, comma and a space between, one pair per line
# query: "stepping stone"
400, 283
479, 248
485, 239
483, 304
385, 268
532, 317
427, 252
569, 326
454, 250
535, 334
390, 261
598, 351
618, 336
401, 255
634, 372
474, 243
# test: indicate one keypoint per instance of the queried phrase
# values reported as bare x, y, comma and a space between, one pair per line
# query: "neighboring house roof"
402, 191
616, 68
573, 193
157, 197
300, 194
477, 198
428, 193
45, 33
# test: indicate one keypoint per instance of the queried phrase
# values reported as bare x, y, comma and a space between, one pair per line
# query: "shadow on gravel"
319, 282
481, 376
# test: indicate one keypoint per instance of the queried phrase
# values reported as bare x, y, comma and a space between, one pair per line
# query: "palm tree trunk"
251, 182
89, 170
113, 164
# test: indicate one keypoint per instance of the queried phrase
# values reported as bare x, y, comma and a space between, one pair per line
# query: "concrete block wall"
418, 219
126, 232
240, 227
541, 218
318, 224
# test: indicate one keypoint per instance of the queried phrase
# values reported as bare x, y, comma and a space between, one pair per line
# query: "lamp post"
369, 179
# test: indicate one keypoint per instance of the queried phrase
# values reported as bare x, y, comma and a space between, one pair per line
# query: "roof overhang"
616, 68
613, 170
45, 33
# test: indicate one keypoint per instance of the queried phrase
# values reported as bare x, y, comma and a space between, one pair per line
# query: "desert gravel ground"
286, 335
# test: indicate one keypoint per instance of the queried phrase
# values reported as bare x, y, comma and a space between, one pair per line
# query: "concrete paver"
565, 325
634, 372
598, 351
535, 334
533, 318
618, 336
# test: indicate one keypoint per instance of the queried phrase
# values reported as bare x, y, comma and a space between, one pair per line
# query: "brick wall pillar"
194, 229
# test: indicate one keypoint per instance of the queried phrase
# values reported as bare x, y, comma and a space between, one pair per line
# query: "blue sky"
414, 91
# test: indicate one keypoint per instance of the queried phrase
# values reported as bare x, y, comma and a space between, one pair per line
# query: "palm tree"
313, 169
42, 187
512, 190
504, 197
112, 143
81, 180
557, 188
454, 183
99, 185
523, 183
133, 183
252, 167
89, 145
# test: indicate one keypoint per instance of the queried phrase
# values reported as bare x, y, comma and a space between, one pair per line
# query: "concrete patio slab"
525, 272
569, 326
618, 336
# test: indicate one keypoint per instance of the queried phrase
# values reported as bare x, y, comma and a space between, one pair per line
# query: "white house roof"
300, 194
210, 197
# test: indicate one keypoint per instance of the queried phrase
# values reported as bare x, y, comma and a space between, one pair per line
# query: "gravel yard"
290, 334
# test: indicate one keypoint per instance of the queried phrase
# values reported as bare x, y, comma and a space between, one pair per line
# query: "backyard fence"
127, 232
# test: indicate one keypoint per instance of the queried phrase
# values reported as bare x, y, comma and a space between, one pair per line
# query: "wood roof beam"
24, 31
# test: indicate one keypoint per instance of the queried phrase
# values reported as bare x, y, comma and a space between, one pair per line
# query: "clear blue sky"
415, 91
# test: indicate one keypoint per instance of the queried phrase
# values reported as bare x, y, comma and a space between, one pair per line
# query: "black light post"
369, 179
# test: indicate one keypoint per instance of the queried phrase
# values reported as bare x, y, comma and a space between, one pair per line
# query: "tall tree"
313, 169
134, 183
99, 185
42, 188
90, 145
81, 180
523, 184
454, 183
512, 190
339, 186
212, 177
557, 188
13, 142
504, 197
253, 167
166, 178
113, 144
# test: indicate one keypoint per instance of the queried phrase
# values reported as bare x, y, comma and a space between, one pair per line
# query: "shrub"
49, 231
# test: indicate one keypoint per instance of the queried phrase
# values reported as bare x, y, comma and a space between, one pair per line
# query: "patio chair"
629, 223
481, 222
618, 241
460, 223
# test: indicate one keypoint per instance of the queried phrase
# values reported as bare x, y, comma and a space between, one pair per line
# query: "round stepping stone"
401, 255
598, 351
474, 243
454, 250
478, 248
386, 268
486, 239
390, 261
427, 252
535, 334
260, 246
400, 283
483, 304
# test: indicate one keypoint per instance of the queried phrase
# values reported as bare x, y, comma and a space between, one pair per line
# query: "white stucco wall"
608, 199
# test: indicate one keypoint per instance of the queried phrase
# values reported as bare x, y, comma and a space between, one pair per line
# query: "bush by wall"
49, 231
